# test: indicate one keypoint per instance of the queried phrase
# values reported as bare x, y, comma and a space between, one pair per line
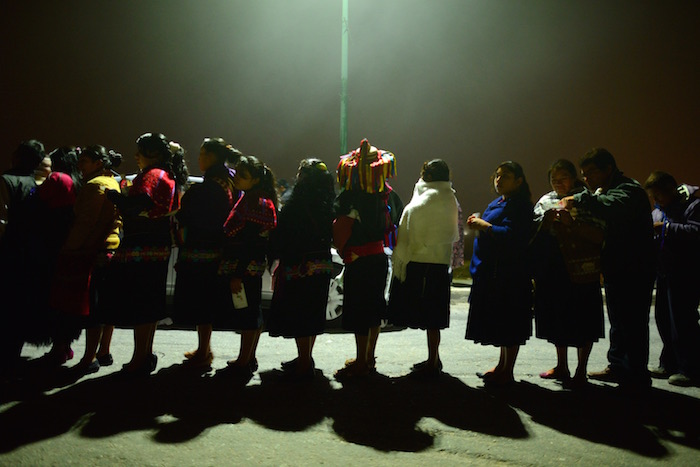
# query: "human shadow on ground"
384, 412
177, 405
603, 414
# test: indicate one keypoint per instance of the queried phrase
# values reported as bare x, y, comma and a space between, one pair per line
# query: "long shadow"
179, 405
379, 412
109, 405
288, 406
606, 415
383, 412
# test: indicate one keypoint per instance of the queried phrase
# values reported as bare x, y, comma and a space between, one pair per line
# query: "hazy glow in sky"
472, 82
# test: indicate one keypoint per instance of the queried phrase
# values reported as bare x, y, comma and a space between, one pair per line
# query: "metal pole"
344, 81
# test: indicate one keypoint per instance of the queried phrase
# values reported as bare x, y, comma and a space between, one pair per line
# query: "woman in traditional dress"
566, 259
139, 268
302, 242
420, 291
200, 292
247, 230
91, 242
360, 233
500, 300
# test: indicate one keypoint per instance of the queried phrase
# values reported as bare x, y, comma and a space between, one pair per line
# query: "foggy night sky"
472, 82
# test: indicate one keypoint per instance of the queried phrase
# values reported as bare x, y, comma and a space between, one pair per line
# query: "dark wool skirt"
568, 314
99, 292
242, 319
134, 293
299, 306
423, 300
200, 293
364, 304
500, 312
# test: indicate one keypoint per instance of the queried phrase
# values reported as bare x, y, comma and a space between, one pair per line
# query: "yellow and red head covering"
366, 168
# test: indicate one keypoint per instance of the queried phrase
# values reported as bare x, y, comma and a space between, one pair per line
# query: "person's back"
17, 188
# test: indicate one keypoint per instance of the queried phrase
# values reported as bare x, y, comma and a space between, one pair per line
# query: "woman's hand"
567, 202
236, 284
477, 223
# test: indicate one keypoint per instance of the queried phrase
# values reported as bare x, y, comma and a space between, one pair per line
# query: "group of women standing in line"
58, 233
562, 260
228, 228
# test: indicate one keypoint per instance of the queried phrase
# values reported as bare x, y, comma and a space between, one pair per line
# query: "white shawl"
428, 227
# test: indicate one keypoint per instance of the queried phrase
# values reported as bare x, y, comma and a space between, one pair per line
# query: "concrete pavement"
181, 418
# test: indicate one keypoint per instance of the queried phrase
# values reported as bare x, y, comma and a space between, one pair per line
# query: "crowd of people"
74, 240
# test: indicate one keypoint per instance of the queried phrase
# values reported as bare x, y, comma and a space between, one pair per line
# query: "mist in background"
471, 82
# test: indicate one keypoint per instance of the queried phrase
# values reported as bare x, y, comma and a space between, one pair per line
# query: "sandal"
195, 360
351, 370
556, 373
371, 364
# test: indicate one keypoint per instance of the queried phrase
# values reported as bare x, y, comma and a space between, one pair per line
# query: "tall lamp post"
344, 81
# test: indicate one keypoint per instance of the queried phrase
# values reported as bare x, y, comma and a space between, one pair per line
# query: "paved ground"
180, 418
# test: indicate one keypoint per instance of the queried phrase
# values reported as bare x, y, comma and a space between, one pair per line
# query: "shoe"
659, 373
195, 361
106, 359
679, 379
143, 371
252, 364
608, 375
418, 366
556, 373
90, 368
290, 365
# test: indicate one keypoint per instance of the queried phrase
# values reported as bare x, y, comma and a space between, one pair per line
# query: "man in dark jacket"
677, 233
627, 264
17, 187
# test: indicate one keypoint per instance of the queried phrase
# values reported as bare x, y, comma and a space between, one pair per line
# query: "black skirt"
299, 306
134, 293
568, 314
500, 311
422, 301
364, 304
242, 319
200, 293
